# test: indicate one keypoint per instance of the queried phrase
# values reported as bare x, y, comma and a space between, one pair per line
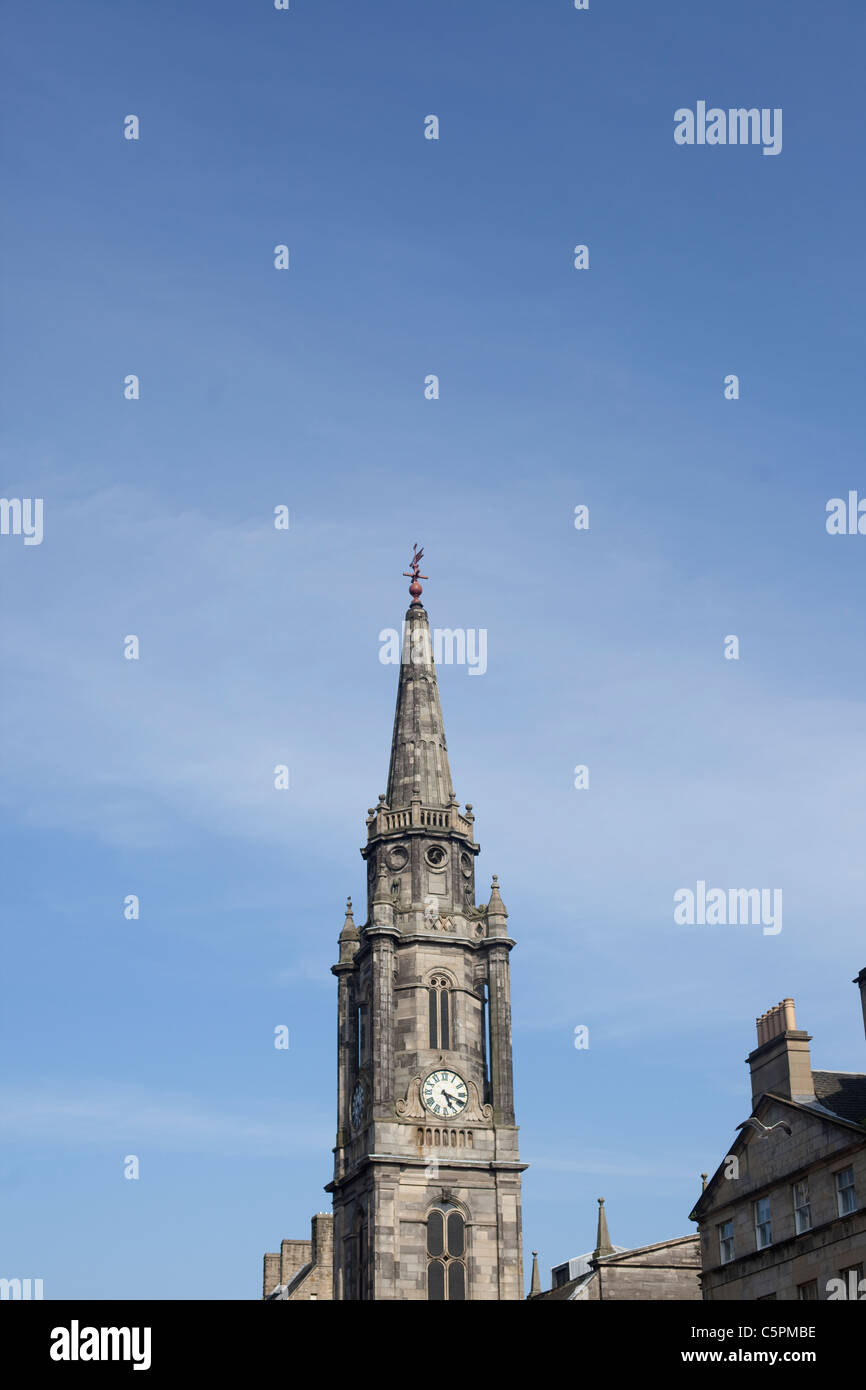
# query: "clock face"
358, 1104
445, 1093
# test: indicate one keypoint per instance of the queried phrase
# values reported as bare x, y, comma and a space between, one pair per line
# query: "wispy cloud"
133, 1120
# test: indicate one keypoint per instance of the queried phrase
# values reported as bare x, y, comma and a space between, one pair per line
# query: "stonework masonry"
304, 1269
667, 1271
427, 1176
784, 1216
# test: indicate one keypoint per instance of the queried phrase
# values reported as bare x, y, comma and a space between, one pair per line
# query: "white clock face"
444, 1093
358, 1104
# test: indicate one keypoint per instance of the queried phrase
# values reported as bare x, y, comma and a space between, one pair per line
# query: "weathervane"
414, 575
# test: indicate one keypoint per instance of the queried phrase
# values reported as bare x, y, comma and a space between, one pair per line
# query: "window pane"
846, 1193
802, 1208
436, 1281
456, 1282
435, 1234
455, 1234
444, 1035
434, 1033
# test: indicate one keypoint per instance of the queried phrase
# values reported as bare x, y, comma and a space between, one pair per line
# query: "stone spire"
535, 1286
419, 755
602, 1242
350, 937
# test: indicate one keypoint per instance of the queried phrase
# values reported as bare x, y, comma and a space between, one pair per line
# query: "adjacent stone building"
304, 1269
784, 1215
426, 1186
667, 1271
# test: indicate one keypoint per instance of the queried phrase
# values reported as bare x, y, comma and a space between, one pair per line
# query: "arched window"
446, 1254
440, 1013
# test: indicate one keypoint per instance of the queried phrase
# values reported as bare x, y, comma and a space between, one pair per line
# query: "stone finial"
704, 1179
535, 1286
496, 907
602, 1243
350, 937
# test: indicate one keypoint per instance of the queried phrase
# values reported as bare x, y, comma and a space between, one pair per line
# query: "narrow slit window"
439, 1007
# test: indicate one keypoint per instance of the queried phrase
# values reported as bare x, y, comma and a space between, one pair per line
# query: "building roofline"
813, 1108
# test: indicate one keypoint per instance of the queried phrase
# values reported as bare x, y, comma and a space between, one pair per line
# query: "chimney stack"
861, 981
781, 1062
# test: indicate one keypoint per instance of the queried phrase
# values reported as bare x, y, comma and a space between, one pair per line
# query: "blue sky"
258, 647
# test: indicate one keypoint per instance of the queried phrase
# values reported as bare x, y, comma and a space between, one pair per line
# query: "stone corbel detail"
474, 1110
412, 1107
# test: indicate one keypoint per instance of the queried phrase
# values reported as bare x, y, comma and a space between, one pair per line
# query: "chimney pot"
781, 1063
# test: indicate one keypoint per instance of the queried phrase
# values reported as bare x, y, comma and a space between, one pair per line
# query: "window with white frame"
726, 1242
763, 1226
846, 1193
802, 1207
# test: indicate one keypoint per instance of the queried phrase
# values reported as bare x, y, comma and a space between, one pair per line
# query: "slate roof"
843, 1092
566, 1293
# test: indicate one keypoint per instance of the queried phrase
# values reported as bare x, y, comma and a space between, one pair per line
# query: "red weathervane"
414, 575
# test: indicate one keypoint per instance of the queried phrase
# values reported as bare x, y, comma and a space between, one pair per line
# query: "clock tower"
426, 1187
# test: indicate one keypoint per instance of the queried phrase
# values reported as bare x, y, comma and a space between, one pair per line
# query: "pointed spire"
497, 917
350, 931
496, 905
535, 1286
350, 937
419, 767
602, 1243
